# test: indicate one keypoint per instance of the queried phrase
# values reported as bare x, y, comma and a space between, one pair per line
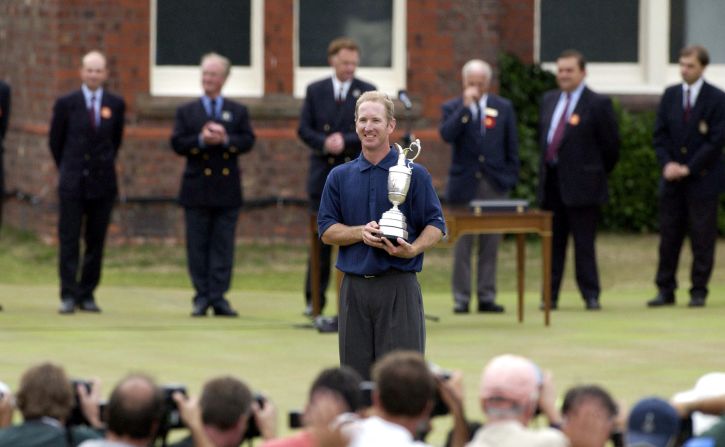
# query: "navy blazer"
589, 148
697, 143
4, 111
320, 117
494, 155
212, 177
85, 156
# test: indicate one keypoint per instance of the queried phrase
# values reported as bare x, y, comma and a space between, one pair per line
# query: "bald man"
85, 135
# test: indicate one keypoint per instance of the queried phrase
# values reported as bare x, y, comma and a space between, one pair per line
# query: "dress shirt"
694, 91
337, 85
575, 95
97, 96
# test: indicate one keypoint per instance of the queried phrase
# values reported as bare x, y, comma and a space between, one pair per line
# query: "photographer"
45, 399
589, 416
225, 408
335, 392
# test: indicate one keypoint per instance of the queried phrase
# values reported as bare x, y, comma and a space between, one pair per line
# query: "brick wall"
44, 41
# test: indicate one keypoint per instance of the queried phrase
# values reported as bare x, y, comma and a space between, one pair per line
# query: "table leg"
314, 266
520, 271
546, 274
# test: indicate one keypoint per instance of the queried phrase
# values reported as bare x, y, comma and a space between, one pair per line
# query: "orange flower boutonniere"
489, 122
106, 112
574, 119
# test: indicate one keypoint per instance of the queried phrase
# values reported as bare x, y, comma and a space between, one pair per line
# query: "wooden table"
511, 222
458, 223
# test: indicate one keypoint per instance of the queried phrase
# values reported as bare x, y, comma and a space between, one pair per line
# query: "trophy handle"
415, 145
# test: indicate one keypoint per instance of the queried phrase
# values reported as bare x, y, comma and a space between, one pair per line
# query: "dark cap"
652, 422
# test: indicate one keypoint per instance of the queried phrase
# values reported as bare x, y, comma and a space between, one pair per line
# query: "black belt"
388, 272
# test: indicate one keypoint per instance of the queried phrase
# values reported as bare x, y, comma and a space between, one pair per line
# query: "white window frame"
653, 72
185, 80
388, 80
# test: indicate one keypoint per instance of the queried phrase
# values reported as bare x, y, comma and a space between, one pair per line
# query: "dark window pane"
697, 22
603, 30
187, 29
368, 22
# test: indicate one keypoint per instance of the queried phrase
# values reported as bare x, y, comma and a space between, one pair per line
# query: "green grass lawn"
145, 295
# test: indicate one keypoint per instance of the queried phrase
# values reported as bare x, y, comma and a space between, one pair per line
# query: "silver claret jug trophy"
393, 223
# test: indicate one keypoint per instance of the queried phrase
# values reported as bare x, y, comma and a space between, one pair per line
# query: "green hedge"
633, 183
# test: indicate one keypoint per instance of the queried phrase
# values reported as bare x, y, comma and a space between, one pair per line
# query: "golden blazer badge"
702, 127
226, 116
464, 120
574, 119
356, 93
106, 112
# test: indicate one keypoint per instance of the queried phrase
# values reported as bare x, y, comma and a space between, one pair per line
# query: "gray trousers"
487, 254
379, 315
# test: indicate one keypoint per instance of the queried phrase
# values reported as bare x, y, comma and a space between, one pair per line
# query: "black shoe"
490, 308
67, 306
224, 310
662, 299
199, 310
460, 308
696, 301
592, 304
89, 306
553, 306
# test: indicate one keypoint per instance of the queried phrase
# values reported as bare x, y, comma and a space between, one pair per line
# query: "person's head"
653, 422
570, 70
693, 60
374, 119
477, 73
93, 70
345, 382
404, 385
45, 391
134, 409
215, 69
343, 55
226, 405
589, 414
509, 388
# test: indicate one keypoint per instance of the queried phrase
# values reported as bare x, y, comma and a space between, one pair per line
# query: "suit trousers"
678, 212
581, 223
324, 263
210, 251
91, 217
379, 315
487, 254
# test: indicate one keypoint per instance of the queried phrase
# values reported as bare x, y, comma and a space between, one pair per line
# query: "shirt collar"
87, 94
336, 84
481, 104
386, 163
694, 89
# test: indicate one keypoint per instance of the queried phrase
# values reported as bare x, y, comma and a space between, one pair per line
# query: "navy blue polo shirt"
357, 192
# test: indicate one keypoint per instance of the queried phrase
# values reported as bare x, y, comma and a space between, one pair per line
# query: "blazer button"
205, 156
85, 172
683, 149
330, 160
225, 171
479, 175
225, 155
87, 157
233, 149
481, 158
207, 172
326, 127
194, 151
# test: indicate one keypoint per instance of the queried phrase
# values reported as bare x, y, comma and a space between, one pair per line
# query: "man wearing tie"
85, 135
689, 135
211, 133
327, 126
579, 143
481, 127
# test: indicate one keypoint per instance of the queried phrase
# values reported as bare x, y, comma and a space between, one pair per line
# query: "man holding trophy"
381, 249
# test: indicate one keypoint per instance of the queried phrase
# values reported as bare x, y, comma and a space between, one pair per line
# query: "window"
632, 46
378, 26
184, 30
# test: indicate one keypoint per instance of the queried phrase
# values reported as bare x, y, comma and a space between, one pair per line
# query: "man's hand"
266, 419
547, 399
190, 413
674, 171
213, 134
91, 403
471, 95
334, 143
402, 250
7, 405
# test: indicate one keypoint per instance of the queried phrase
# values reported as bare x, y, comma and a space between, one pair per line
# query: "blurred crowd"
519, 406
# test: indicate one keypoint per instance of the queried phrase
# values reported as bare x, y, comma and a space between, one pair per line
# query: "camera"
76, 415
252, 429
295, 419
439, 407
171, 418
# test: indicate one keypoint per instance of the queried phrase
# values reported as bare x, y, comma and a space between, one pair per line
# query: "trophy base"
393, 233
